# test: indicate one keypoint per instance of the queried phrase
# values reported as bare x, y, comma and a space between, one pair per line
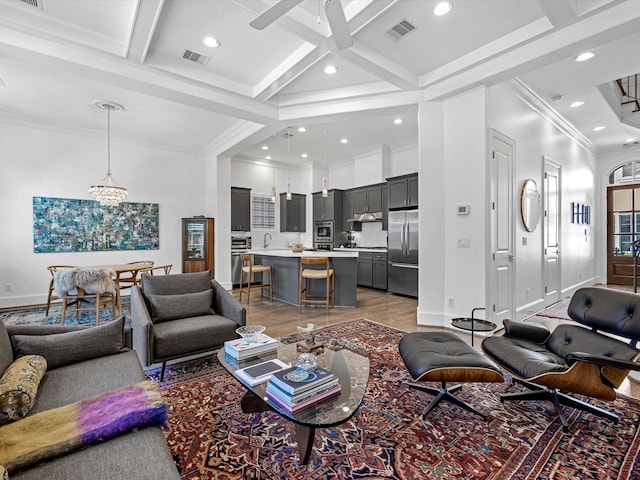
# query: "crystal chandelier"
107, 192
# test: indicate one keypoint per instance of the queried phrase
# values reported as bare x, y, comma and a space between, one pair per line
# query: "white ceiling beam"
145, 79
144, 28
607, 26
560, 14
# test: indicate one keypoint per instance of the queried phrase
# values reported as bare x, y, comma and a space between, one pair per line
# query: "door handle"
511, 257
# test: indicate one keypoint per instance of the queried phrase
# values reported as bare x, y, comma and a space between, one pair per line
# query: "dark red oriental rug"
210, 437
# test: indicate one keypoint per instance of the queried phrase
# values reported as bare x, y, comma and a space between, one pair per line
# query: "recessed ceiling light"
264, 147
304, 155
442, 8
576, 104
302, 129
598, 128
211, 42
344, 140
268, 157
630, 139
585, 56
397, 121
330, 69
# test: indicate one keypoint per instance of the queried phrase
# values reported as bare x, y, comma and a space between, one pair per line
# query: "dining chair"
51, 295
314, 273
130, 278
86, 289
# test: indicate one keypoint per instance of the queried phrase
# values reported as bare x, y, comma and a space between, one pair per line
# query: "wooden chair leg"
241, 281
271, 284
249, 286
98, 309
328, 294
64, 309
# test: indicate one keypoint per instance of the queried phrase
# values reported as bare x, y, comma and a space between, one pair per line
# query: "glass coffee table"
352, 370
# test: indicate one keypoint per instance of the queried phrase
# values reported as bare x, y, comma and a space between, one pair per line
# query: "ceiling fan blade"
273, 13
338, 23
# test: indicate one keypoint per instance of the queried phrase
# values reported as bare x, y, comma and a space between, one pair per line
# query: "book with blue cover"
286, 380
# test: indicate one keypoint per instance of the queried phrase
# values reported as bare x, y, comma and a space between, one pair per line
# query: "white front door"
501, 224
551, 227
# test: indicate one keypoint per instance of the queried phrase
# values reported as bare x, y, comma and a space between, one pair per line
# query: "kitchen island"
286, 274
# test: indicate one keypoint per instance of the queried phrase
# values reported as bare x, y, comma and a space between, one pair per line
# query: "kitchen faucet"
266, 244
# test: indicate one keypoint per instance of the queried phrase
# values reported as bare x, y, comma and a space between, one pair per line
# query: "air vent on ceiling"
286, 134
401, 29
33, 3
195, 57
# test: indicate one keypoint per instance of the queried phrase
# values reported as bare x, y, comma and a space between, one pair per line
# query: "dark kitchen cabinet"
240, 209
372, 270
328, 208
367, 199
347, 212
403, 191
293, 213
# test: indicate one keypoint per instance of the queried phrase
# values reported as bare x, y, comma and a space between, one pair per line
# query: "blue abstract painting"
71, 225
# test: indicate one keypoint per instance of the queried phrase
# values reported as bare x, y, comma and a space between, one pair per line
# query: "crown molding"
537, 103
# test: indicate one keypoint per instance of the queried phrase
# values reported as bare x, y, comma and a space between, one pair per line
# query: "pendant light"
325, 190
273, 187
108, 193
288, 160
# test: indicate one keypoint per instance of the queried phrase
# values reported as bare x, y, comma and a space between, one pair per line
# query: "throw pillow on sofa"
172, 307
19, 386
66, 348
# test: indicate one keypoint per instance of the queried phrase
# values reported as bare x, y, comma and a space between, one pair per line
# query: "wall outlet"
452, 302
8, 287
463, 242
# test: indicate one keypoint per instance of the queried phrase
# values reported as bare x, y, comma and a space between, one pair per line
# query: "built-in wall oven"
323, 236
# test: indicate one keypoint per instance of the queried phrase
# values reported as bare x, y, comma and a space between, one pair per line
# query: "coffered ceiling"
58, 57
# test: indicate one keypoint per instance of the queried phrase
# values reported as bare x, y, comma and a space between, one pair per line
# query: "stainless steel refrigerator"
402, 272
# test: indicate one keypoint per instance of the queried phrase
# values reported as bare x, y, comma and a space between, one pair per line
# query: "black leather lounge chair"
572, 358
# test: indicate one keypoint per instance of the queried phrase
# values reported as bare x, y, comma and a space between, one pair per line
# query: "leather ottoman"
444, 357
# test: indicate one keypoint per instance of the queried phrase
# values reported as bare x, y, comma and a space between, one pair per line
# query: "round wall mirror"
530, 205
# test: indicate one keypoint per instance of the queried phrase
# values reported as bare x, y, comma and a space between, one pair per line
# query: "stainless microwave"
323, 232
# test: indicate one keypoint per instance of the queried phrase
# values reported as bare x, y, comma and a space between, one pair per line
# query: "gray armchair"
174, 316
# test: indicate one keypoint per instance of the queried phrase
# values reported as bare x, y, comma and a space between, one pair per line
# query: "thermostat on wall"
463, 209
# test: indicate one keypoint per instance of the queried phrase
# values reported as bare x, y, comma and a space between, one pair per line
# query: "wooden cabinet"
403, 191
328, 208
372, 270
367, 199
197, 245
293, 213
240, 209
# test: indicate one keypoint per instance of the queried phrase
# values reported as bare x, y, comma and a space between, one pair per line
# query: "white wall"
535, 138
51, 163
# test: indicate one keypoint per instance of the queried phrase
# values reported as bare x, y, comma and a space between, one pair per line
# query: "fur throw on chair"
90, 280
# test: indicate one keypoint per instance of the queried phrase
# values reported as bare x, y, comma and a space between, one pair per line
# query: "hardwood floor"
392, 310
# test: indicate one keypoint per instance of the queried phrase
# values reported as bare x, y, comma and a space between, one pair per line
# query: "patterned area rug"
211, 438
557, 310
36, 315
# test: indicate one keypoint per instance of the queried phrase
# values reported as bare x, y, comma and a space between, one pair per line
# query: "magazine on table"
260, 372
285, 380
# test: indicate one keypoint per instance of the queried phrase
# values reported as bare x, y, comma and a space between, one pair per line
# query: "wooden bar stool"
316, 274
249, 268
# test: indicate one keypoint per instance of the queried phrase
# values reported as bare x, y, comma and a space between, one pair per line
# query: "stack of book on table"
241, 349
296, 395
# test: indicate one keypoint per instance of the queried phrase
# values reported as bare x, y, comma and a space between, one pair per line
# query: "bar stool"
316, 274
249, 268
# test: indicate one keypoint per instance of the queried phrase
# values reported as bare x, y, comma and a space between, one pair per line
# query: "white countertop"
282, 252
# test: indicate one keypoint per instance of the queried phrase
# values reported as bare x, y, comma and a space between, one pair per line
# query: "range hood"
367, 217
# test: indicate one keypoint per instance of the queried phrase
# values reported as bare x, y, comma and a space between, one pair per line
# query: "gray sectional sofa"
97, 362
